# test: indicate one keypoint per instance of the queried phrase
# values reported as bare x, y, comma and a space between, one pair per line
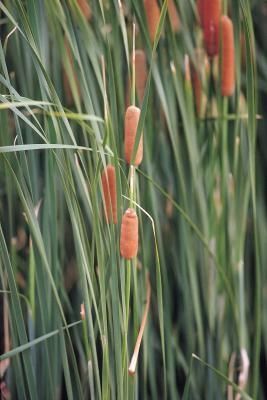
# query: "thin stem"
133, 67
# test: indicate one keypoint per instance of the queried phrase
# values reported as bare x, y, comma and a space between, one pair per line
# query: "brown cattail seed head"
197, 87
85, 9
140, 73
129, 234
130, 129
174, 16
110, 194
200, 10
211, 19
152, 11
228, 57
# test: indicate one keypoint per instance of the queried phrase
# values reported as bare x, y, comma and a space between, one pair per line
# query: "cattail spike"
85, 9
110, 194
211, 11
228, 57
174, 16
197, 87
201, 12
152, 11
103, 66
140, 74
129, 234
132, 116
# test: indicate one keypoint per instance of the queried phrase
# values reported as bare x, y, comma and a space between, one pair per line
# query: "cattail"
66, 82
211, 18
197, 88
200, 10
85, 9
140, 73
129, 234
174, 16
152, 11
228, 57
110, 193
199, 72
130, 129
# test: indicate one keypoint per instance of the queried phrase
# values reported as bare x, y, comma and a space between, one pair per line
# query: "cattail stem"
103, 67
224, 146
236, 154
133, 363
84, 330
132, 184
6, 334
71, 89
210, 88
140, 78
133, 67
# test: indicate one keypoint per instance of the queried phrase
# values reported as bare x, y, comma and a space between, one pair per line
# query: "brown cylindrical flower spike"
228, 57
140, 73
85, 9
174, 16
211, 20
152, 11
197, 87
130, 129
129, 234
110, 193
200, 10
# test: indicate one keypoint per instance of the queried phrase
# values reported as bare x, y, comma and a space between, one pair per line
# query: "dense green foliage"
200, 196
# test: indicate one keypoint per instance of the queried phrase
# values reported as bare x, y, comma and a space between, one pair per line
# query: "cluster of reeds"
218, 39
